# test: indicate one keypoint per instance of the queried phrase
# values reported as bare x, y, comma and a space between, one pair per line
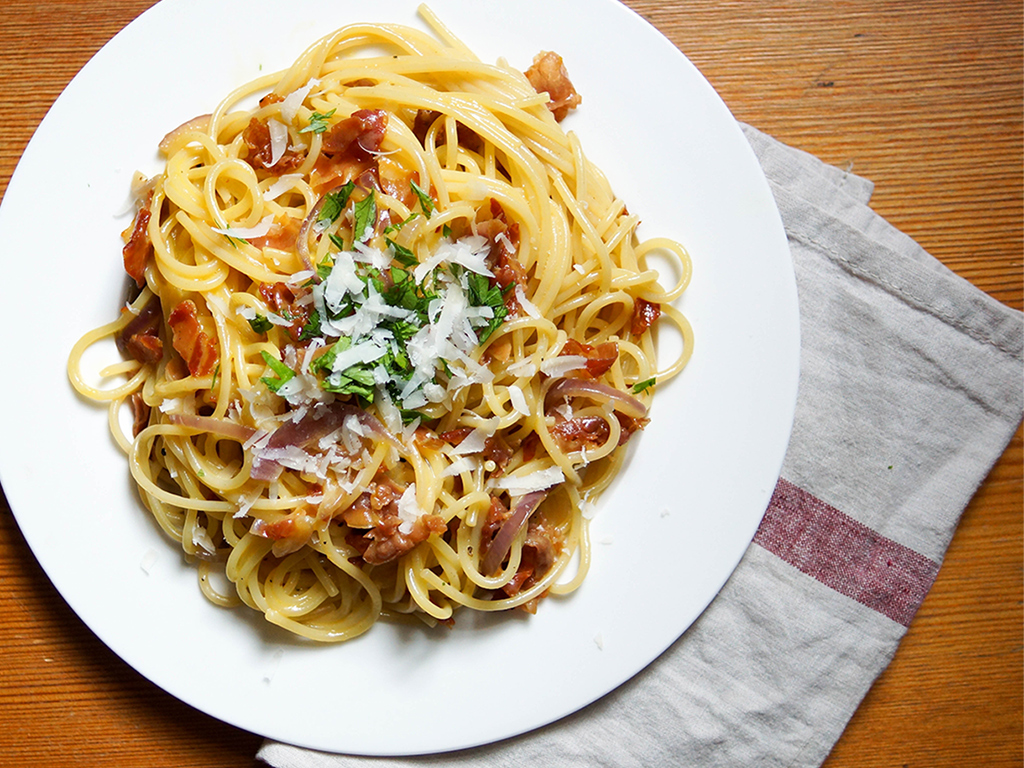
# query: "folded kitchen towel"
910, 389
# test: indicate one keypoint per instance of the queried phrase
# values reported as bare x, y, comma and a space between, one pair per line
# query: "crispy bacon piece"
348, 151
548, 73
496, 516
530, 445
580, 432
377, 509
140, 338
281, 300
388, 542
146, 347
256, 137
455, 436
282, 235
426, 438
359, 135
373, 505
191, 341
645, 314
498, 451
599, 358
138, 246
504, 239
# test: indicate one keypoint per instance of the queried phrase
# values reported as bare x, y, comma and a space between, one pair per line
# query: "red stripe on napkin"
845, 555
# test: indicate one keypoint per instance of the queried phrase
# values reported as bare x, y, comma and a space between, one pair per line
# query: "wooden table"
922, 97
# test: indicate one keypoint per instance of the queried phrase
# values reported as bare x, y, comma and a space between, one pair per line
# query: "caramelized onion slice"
503, 539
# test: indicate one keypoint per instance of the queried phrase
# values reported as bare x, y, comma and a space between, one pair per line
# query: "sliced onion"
201, 123
148, 318
302, 240
313, 426
503, 539
222, 427
603, 393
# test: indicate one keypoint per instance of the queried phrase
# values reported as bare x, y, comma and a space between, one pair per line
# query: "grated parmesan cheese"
247, 233
409, 509
518, 399
563, 364
520, 485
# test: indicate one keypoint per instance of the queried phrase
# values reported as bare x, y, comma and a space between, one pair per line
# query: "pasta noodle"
390, 334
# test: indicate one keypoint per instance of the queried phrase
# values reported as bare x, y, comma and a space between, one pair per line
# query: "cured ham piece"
282, 235
138, 246
191, 341
504, 239
348, 150
388, 541
258, 140
140, 338
389, 536
645, 314
599, 358
548, 74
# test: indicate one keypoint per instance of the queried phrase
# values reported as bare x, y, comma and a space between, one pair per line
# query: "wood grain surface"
922, 97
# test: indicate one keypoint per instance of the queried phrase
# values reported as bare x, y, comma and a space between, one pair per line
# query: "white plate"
667, 536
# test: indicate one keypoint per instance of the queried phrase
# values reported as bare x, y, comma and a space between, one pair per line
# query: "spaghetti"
391, 333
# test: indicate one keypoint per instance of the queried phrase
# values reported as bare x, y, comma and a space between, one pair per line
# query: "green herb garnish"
403, 255
334, 203
318, 122
284, 373
640, 386
312, 327
397, 226
483, 294
260, 324
426, 202
364, 216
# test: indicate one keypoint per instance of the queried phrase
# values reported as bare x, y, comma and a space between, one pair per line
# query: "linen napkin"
910, 389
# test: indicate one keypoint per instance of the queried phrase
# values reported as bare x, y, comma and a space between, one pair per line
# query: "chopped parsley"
284, 373
402, 255
334, 203
408, 330
260, 324
318, 122
483, 294
426, 201
312, 327
398, 225
640, 386
364, 216
382, 329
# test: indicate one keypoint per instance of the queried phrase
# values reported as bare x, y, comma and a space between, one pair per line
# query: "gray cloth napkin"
910, 389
